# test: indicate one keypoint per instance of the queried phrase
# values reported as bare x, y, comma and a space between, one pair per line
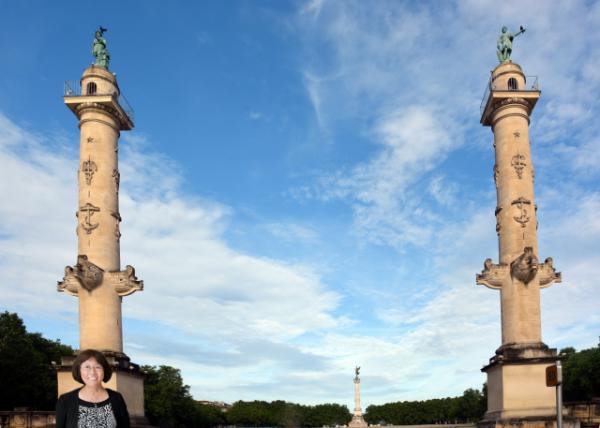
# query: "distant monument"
517, 392
357, 419
97, 279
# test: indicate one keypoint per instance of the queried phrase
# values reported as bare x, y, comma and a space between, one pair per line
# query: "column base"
127, 379
516, 383
357, 422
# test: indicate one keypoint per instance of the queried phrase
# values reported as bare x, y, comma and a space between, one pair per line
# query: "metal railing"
531, 84
72, 88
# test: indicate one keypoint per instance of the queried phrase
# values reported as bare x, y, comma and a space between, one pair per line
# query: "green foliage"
168, 402
326, 414
581, 374
280, 413
470, 407
28, 379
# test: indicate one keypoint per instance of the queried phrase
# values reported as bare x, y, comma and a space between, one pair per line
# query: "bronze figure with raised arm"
505, 43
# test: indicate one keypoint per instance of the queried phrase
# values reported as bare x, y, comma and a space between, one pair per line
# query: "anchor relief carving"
524, 217
518, 163
89, 167
89, 210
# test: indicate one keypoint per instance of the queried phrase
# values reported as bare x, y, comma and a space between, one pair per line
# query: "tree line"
29, 380
469, 407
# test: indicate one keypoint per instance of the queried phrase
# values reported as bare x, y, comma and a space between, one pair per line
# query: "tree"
28, 379
471, 406
326, 414
167, 400
581, 374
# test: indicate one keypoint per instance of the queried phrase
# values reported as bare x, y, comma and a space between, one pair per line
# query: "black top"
67, 409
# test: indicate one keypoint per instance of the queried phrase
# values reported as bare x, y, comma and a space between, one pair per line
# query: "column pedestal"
517, 393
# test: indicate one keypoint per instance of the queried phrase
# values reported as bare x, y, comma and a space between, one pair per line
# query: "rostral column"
97, 279
517, 391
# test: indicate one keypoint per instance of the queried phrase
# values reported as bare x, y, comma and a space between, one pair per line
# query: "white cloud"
292, 232
387, 208
255, 115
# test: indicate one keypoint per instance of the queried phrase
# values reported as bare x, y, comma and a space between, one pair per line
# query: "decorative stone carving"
117, 217
117, 176
125, 282
492, 275
498, 225
84, 274
89, 210
90, 139
496, 174
515, 100
517, 134
524, 217
518, 163
89, 276
547, 275
89, 167
525, 267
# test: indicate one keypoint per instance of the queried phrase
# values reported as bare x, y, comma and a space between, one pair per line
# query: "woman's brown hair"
86, 355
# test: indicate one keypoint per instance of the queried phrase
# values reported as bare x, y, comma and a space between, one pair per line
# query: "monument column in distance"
517, 391
97, 279
357, 419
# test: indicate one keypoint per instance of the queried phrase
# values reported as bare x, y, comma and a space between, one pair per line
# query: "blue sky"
307, 187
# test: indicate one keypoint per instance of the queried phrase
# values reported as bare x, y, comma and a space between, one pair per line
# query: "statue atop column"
99, 49
505, 43
356, 373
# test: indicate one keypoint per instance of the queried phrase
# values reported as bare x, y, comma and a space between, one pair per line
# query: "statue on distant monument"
356, 373
505, 43
99, 49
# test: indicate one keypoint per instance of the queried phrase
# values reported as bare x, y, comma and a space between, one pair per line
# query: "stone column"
357, 419
357, 409
516, 374
97, 279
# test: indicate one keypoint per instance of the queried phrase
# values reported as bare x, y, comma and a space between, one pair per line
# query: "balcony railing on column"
72, 88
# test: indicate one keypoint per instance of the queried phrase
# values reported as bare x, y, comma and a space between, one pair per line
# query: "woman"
91, 406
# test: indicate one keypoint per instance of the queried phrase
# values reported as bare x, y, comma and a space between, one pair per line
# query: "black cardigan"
67, 408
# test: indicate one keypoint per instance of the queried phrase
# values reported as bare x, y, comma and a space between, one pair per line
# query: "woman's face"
92, 372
